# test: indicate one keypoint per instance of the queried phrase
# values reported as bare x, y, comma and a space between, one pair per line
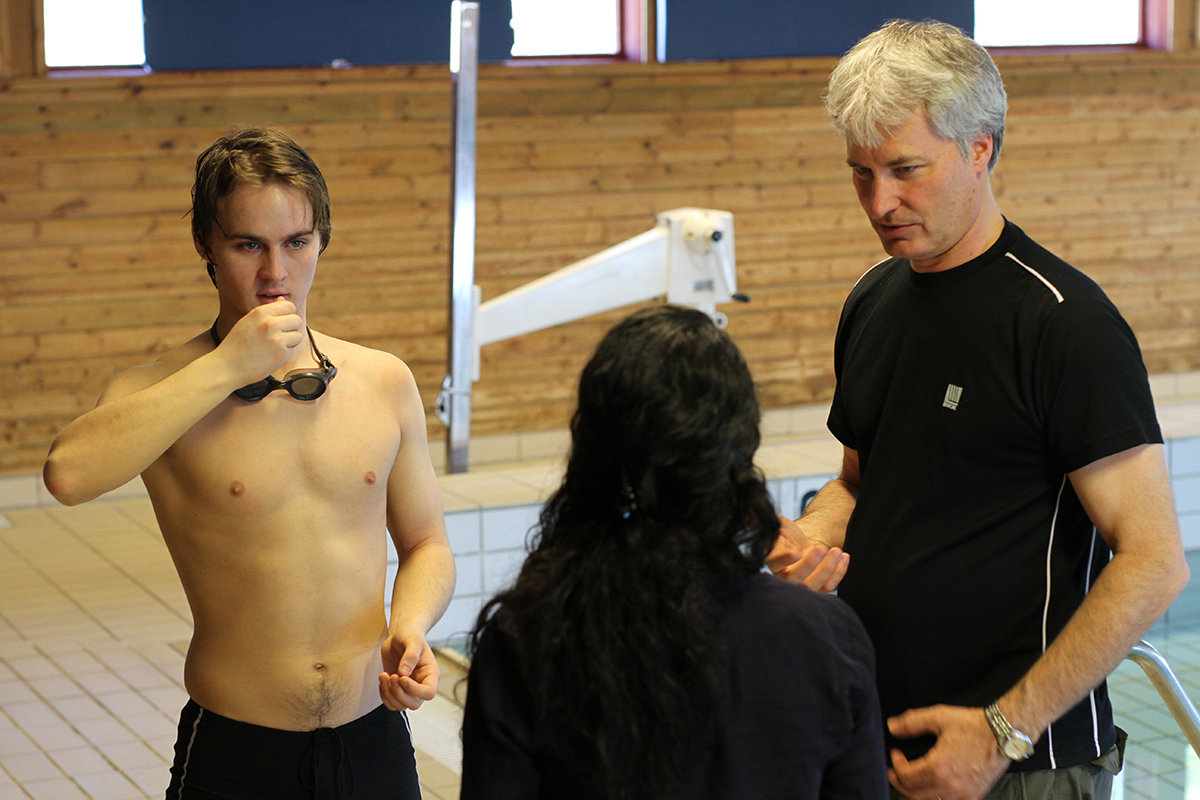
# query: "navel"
319, 667
369, 478
236, 489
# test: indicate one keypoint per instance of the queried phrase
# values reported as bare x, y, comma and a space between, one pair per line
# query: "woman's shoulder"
771, 604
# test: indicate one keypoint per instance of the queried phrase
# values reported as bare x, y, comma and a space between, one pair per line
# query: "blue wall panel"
702, 30
253, 34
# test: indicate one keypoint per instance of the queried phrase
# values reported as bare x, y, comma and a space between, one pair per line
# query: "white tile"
144, 677
55, 687
553, 445
57, 735
19, 491
470, 574
776, 422
109, 786
79, 709
465, 531
1187, 494
54, 789
435, 732
456, 501
788, 501
130, 755
125, 704
507, 528
1188, 384
16, 692
543, 477
1184, 456
75, 662
104, 730
36, 666
773, 491
31, 714
151, 780
810, 419
14, 742
164, 746
1189, 528
500, 569
458, 620
495, 449
169, 700
30, 767
101, 683
154, 725
1164, 387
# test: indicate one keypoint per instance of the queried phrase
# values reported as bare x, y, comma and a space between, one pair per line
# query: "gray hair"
909, 67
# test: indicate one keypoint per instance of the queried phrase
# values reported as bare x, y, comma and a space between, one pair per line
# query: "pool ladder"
1180, 705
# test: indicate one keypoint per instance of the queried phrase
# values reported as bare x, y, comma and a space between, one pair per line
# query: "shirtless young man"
274, 509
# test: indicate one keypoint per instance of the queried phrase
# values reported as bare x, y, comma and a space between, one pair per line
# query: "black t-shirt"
800, 717
969, 395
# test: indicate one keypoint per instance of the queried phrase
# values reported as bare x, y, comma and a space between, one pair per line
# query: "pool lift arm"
688, 256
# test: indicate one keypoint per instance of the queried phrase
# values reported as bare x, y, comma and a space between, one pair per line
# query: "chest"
280, 451
954, 375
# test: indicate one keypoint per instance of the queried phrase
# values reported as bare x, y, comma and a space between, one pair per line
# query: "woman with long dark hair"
642, 652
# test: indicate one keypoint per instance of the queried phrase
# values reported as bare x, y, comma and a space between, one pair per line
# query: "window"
86, 33
548, 28
1032, 23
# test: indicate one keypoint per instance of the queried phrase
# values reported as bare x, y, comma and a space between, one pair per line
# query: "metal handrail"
1180, 705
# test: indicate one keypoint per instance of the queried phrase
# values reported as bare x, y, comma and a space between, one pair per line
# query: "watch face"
1013, 744
1017, 747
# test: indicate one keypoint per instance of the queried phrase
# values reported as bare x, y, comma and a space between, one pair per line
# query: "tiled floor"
92, 626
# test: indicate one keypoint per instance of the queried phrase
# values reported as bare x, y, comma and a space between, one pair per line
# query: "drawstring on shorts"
327, 741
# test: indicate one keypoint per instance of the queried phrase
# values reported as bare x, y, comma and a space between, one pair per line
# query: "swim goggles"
300, 385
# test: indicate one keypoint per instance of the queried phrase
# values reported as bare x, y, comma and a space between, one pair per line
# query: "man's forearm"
825, 518
1128, 498
1130, 594
423, 588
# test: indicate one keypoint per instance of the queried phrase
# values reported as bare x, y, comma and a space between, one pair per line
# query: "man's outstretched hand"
410, 672
794, 558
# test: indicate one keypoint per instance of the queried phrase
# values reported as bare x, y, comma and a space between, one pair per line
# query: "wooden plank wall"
97, 272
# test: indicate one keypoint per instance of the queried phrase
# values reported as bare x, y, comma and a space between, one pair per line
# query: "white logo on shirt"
953, 395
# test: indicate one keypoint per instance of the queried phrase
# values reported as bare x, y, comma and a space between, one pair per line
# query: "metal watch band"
1012, 743
1000, 725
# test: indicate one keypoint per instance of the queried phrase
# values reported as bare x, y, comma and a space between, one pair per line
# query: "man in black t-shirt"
1000, 443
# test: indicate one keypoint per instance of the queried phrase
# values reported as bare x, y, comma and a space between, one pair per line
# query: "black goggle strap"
326, 364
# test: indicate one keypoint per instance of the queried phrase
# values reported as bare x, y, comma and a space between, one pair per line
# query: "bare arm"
137, 418
425, 579
145, 410
1128, 498
809, 551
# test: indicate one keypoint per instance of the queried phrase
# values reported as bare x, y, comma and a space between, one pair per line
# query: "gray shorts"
1091, 781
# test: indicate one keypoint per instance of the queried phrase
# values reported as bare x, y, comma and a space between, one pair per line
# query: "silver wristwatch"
1012, 743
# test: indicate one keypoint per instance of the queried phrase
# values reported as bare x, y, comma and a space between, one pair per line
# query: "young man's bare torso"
275, 513
276, 505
